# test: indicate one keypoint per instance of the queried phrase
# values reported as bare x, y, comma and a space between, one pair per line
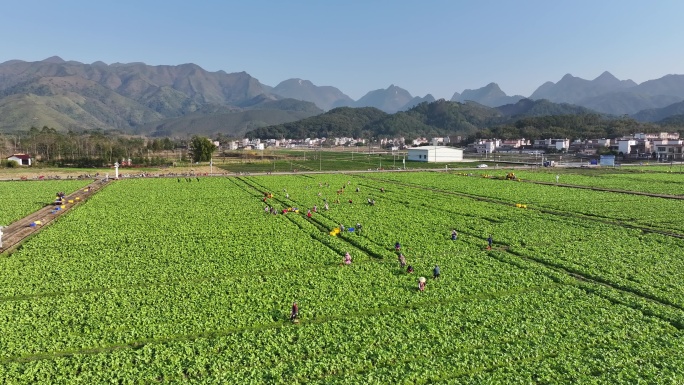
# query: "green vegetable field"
21, 198
170, 281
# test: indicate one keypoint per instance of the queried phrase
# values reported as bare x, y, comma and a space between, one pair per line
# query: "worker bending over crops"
295, 312
402, 260
490, 241
454, 235
347, 258
397, 246
435, 272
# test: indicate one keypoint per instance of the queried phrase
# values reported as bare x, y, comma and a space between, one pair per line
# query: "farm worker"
315, 208
350, 201
295, 311
409, 269
490, 241
357, 189
308, 213
267, 209
326, 206
402, 260
347, 259
287, 195
557, 176
397, 246
373, 202
454, 235
358, 227
421, 283
382, 189
435, 272
369, 201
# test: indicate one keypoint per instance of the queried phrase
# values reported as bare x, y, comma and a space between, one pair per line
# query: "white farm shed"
22, 159
435, 154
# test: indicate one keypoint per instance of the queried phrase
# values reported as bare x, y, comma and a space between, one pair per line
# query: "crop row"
650, 182
634, 209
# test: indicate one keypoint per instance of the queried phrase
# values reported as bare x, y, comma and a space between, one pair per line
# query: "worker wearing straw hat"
421, 283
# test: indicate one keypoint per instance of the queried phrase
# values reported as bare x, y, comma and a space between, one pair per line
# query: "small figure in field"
341, 228
490, 241
326, 206
358, 228
357, 189
347, 259
557, 177
409, 269
435, 272
267, 209
315, 209
287, 195
402, 260
397, 247
337, 201
421, 284
295, 312
308, 213
454, 235
382, 189
350, 201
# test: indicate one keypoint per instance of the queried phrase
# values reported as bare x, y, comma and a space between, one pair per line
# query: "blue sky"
430, 46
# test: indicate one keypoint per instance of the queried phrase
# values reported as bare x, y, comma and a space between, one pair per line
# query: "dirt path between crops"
16, 232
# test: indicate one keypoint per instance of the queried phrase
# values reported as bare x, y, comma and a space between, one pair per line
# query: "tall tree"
201, 149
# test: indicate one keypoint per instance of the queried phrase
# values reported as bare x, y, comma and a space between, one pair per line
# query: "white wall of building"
435, 154
625, 146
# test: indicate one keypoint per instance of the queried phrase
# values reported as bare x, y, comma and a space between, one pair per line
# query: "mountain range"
184, 99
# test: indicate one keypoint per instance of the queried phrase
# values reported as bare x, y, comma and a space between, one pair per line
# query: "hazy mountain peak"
325, 97
54, 59
606, 76
391, 99
490, 95
568, 77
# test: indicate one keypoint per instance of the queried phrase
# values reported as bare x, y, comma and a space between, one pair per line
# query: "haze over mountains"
175, 100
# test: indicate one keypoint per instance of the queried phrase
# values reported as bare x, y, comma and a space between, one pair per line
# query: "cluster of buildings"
661, 146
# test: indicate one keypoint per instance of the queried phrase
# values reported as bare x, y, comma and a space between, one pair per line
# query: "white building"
625, 146
435, 154
22, 159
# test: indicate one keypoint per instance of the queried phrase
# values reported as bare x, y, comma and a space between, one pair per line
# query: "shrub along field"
159, 280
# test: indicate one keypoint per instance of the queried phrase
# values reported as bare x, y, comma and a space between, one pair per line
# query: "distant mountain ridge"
132, 97
609, 95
